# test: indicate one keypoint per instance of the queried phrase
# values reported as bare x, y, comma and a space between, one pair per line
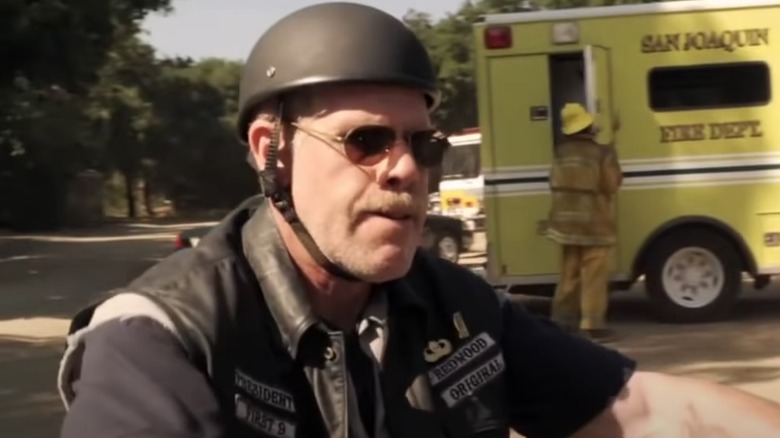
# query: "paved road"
44, 279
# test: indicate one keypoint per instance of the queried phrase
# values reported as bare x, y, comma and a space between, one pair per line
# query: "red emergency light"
179, 243
498, 37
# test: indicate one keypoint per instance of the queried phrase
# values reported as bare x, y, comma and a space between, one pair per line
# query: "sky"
229, 28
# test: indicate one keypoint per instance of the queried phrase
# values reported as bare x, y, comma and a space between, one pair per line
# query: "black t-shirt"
137, 381
562, 381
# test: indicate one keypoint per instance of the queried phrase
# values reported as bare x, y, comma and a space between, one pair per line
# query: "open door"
521, 145
598, 98
598, 90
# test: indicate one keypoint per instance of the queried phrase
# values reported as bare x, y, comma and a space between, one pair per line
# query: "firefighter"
584, 179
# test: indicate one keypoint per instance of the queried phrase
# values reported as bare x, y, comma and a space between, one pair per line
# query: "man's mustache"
396, 204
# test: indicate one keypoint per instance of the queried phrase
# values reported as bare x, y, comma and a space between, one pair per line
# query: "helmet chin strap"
282, 200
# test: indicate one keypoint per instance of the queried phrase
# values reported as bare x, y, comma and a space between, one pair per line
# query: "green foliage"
79, 90
52, 50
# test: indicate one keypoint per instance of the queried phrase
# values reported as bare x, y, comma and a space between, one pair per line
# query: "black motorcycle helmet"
328, 43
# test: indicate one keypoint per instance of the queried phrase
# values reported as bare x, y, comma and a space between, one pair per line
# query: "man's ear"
259, 139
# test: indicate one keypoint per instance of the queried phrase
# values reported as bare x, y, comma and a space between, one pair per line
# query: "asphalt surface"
44, 279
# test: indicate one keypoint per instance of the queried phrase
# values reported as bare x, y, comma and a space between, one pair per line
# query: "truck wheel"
693, 276
447, 247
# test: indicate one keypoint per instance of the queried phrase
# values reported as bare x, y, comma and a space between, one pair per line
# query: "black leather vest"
442, 372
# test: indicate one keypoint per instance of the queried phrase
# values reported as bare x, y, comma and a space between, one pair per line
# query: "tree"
199, 160
52, 50
120, 113
79, 90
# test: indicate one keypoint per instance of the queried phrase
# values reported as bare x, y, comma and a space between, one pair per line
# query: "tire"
447, 247
682, 258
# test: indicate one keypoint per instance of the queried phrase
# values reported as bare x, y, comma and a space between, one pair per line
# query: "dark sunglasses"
367, 145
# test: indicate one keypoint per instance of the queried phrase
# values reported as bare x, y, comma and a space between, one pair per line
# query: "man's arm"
558, 382
562, 385
611, 173
663, 406
136, 381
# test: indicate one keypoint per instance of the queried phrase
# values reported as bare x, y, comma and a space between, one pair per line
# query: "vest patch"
436, 350
262, 392
462, 357
473, 381
263, 421
460, 325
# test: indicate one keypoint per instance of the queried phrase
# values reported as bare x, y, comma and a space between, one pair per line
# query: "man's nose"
400, 168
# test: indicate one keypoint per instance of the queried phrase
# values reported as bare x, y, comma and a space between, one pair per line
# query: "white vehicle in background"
461, 188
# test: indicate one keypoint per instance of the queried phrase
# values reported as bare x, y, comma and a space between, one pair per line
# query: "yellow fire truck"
691, 83
461, 189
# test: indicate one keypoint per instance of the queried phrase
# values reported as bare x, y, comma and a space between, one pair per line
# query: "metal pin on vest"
436, 350
460, 325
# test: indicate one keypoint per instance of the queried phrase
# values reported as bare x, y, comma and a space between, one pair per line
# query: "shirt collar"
284, 291
282, 288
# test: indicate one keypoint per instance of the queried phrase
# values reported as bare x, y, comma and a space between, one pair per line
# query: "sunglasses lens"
368, 141
364, 143
428, 148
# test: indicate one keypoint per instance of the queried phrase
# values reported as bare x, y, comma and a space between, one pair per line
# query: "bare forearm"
693, 408
662, 406
722, 411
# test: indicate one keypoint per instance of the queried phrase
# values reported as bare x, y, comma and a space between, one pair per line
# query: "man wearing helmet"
309, 312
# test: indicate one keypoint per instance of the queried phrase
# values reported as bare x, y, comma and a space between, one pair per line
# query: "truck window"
707, 86
461, 162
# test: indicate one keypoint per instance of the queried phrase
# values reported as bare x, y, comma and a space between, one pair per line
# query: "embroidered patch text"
466, 386
265, 393
462, 357
263, 421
